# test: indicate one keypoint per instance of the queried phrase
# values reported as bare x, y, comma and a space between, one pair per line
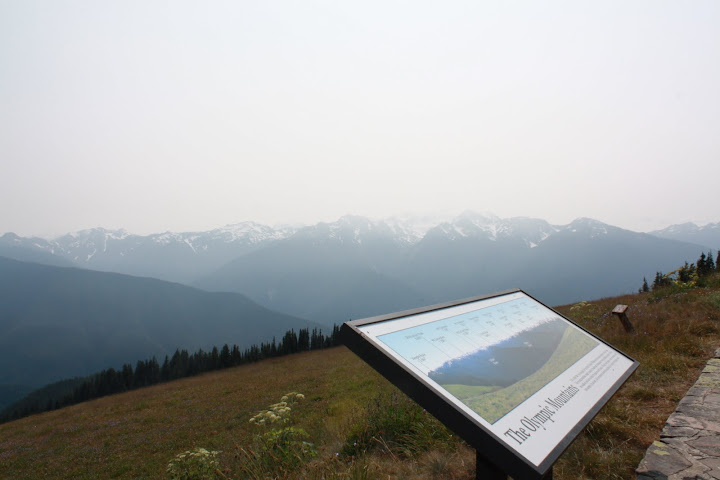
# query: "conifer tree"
659, 280
645, 287
303, 340
127, 376
289, 343
215, 359
236, 355
702, 265
154, 370
225, 357
685, 272
335, 336
165, 370
710, 262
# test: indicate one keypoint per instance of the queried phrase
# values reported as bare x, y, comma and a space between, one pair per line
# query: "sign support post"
485, 470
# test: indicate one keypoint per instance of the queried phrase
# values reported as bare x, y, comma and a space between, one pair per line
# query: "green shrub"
675, 289
713, 299
397, 424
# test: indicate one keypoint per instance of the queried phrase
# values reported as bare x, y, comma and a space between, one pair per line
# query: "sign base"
485, 470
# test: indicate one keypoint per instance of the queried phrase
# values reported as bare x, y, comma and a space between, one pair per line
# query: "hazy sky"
177, 115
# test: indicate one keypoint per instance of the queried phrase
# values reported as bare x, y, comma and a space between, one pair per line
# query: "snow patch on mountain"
187, 242
589, 227
531, 231
687, 228
410, 229
353, 229
250, 232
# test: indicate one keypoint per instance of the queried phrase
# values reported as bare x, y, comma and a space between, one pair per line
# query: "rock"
689, 448
661, 461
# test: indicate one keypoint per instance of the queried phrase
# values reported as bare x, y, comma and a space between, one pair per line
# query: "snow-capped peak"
411, 229
11, 237
491, 227
707, 235
251, 232
347, 229
588, 226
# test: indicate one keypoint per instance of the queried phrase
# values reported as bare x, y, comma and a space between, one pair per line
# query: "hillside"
57, 323
136, 434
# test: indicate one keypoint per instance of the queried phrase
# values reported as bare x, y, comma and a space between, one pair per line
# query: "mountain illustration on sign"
504, 363
494, 380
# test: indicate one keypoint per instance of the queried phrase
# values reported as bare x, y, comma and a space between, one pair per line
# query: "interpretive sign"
515, 379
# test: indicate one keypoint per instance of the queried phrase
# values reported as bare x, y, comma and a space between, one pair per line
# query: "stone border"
689, 445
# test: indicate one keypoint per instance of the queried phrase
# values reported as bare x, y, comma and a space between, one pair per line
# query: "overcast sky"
176, 115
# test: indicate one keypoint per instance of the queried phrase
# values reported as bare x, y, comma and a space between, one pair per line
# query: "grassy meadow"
360, 425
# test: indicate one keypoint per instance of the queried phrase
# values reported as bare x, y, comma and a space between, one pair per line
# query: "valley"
137, 433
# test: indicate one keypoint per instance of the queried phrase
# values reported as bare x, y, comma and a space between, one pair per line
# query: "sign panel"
525, 376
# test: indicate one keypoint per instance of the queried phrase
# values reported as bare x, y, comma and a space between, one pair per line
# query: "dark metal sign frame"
421, 390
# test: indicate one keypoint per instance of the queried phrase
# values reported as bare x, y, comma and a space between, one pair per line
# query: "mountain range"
176, 257
357, 267
708, 235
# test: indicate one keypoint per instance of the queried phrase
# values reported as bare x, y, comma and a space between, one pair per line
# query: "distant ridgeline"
150, 372
690, 274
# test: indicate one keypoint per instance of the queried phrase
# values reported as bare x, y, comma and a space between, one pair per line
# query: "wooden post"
619, 310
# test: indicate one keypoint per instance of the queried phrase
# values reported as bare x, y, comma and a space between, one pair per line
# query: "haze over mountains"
60, 322
357, 267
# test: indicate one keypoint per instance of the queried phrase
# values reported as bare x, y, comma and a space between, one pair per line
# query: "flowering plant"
278, 412
198, 464
281, 447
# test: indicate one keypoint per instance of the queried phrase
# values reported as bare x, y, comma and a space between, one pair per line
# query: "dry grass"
134, 435
676, 334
